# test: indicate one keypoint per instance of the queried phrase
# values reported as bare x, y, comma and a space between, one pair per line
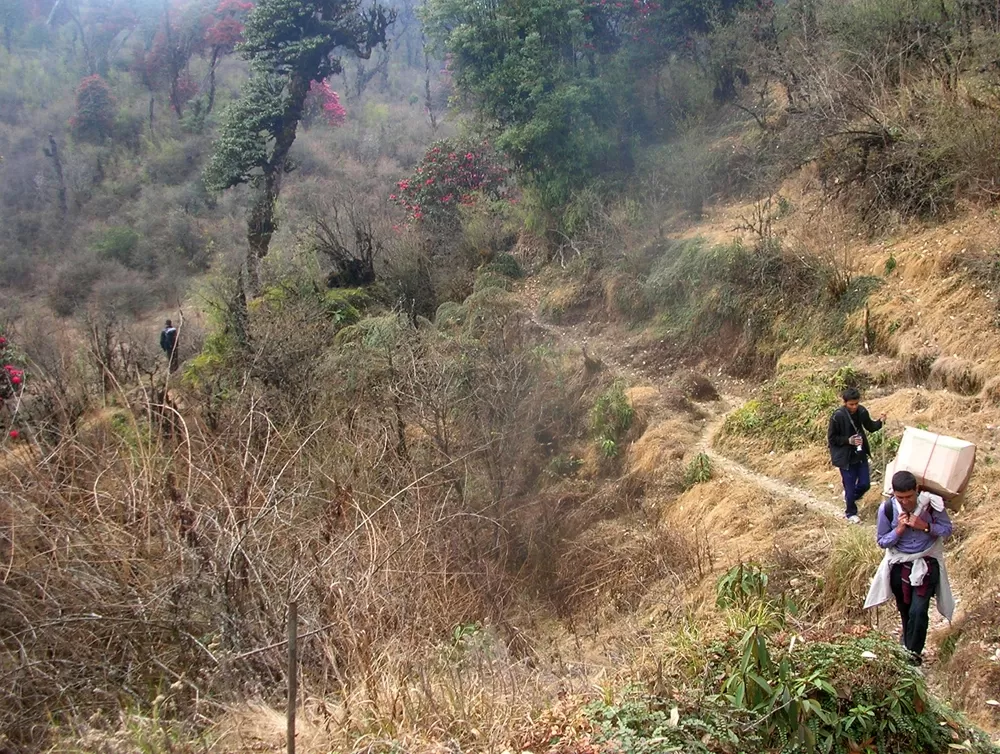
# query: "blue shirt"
911, 540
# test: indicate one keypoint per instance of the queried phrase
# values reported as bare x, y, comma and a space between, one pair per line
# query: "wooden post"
293, 676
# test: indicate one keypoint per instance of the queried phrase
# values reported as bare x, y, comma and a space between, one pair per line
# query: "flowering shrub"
448, 176
95, 110
11, 383
227, 30
323, 102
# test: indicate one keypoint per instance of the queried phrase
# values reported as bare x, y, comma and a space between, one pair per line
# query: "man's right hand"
904, 521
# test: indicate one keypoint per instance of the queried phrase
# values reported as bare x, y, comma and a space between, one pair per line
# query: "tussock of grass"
849, 570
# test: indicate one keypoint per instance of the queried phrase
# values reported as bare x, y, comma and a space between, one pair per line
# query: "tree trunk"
52, 152
175, 69
428, 101
260, 228
261, 223
211, 80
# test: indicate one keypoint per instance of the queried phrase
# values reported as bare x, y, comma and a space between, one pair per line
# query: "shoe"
855, 519
916, 659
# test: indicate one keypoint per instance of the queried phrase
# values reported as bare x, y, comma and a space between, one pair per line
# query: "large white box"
941, 464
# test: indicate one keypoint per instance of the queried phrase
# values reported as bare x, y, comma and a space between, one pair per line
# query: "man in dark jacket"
168, 342
849, 449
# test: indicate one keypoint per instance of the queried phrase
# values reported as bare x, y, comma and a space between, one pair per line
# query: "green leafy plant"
741, 585
610, 418
698, 471
119, 244
788, 413
565, 465
504, 264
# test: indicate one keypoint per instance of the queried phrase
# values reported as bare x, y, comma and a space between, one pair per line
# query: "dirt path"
569, 337
600, 347
770, 484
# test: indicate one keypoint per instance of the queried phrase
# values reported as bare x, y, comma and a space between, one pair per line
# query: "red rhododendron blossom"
324, 102
446, 173
11, 386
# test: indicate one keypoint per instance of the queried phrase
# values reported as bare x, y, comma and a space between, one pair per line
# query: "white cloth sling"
881, 590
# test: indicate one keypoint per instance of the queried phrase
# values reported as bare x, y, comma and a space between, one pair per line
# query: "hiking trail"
597, 347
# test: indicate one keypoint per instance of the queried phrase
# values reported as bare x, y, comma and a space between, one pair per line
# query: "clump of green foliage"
756, 691
118, 244
610, 418
504, 264
698, 471
564, 465
749, 302
787, 413
489, 279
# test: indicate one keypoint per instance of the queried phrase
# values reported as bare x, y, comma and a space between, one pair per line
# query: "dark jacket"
842, 425
168, 339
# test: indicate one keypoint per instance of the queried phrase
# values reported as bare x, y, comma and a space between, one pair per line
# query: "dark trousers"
914, 615
857, 481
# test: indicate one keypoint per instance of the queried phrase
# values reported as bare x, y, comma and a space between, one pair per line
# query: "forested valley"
455, 375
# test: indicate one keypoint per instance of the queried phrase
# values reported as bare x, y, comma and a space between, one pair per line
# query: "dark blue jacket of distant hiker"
168, 339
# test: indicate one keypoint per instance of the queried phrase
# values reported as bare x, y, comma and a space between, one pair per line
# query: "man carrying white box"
912, 525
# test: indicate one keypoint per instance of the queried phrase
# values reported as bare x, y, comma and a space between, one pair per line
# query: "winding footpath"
568, 337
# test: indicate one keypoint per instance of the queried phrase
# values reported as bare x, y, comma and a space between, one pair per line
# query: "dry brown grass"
657, 456
956, 374
616, 564
132, 565
143, 550
990, 394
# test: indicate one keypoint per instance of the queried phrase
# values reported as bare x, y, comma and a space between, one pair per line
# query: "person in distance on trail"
912, 525
168, 342
849, 449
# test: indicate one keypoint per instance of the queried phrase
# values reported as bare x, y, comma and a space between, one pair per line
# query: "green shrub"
491, 280
449, 314
756, 691
610, 418
118, 244
564, 465
345, 305
700, 291
754, 694
787, 414
741, 585
698, 471
504, 264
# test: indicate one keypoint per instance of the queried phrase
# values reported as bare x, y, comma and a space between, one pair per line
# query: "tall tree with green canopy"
558, 81
12, 19
289, 44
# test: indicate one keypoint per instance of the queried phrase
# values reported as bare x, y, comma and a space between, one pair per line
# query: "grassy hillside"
528, 423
